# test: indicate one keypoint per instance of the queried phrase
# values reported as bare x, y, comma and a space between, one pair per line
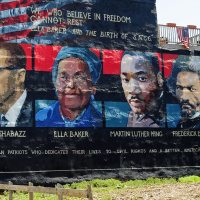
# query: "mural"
85, 92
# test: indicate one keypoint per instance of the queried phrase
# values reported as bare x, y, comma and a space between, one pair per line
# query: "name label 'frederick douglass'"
71, 134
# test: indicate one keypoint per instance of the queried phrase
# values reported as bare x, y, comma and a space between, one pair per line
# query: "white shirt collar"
14, 111
197, 114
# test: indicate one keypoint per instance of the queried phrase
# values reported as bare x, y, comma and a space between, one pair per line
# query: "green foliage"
160, 180
79, 185
134, 183
99, 183
149, 181
189, 179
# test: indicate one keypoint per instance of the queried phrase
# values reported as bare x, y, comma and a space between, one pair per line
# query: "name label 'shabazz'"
12, 133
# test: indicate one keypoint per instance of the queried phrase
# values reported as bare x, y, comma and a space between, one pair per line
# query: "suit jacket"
51, 117
25, 118
141, 121
190, 123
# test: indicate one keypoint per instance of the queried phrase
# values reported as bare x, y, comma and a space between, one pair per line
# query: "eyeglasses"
10, 68
80, 79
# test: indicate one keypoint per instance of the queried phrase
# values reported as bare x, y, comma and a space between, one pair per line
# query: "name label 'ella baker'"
78, 134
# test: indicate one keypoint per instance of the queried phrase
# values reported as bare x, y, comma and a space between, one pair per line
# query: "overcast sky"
181, 12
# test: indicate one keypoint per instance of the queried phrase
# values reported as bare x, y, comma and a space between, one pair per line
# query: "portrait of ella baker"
75, 73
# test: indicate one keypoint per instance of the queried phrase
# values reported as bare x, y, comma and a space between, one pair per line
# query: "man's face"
188, 93
7, 77
139, 83
73, 84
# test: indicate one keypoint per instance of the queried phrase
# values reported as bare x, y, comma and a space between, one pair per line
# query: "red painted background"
28, 51
45, 55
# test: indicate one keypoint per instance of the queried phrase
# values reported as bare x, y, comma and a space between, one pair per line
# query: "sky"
181, 12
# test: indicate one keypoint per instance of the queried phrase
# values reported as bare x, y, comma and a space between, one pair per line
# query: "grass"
106, 187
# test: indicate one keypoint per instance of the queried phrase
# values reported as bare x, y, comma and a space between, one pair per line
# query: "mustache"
136, 97
187, 103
